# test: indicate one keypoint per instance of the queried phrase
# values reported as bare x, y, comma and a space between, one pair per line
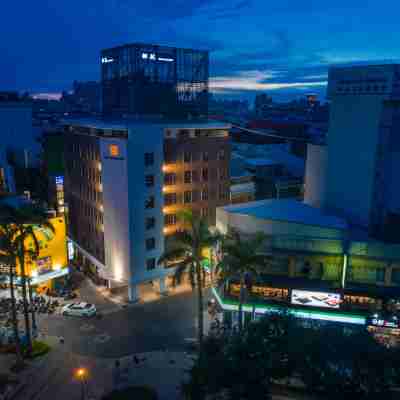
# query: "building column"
388, 275
133, 293
163, 286
292, 267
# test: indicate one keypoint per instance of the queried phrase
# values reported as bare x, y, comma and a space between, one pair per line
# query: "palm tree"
8, 257
25, 218
186, 254
241, 258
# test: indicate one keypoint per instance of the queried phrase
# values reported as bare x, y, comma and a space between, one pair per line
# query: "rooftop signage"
153, 57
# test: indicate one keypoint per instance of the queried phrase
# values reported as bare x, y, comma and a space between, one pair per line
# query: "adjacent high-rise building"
364, 147
145, 79
125, 183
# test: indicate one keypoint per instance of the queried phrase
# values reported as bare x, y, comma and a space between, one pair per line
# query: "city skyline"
284, 49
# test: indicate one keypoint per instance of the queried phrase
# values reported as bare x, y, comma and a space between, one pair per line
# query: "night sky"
283, 47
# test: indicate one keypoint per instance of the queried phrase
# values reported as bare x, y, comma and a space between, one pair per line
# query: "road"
158, 325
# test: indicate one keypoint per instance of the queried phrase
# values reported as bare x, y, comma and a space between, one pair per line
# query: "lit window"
170, 198
170, 219
170, 178
187, 197
113, 150
188, 177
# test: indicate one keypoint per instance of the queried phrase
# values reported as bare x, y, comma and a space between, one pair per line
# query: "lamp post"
81, 374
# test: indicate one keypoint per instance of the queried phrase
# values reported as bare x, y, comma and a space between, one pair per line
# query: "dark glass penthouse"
144, 79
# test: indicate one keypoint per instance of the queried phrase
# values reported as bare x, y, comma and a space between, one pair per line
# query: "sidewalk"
54, 374
148, 293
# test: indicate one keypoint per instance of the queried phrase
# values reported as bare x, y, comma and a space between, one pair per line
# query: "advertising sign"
315, 299
384, 323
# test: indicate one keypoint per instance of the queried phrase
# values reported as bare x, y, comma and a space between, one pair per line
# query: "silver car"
79, 309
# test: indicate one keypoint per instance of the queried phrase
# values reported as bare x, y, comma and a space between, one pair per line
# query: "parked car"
79, 309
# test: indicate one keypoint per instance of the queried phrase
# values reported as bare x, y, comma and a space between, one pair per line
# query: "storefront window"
43, 265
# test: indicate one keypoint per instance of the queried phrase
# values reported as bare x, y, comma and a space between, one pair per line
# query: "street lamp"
80, 375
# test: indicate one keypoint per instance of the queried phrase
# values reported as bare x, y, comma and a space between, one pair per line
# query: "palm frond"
179, 272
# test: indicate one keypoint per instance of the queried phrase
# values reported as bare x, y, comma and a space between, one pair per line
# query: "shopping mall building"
318, 270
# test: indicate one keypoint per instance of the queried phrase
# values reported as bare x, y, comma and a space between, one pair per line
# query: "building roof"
122, 124
261, 162
287, 210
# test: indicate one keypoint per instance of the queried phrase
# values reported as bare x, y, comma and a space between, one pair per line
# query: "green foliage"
132, 393
330, 362
185, 253
39, 349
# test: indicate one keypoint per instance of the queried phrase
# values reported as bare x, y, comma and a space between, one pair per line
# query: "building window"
149, 180
187, 157
150, 202
204, 194
187, 197
205, 156
223, 193
170, 178
170, 198
222, 174
221, 154
188, 177
150, 244
113, 150
204, 212
150, 264
184, 134
204, 174
150, 223
148, 159
170, 219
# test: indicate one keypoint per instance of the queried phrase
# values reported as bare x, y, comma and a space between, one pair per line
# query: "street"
158, 325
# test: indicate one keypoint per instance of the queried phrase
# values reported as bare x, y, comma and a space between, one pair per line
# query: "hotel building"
125, 183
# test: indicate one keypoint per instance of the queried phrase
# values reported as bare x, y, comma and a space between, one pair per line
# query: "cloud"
257, 81
47, 96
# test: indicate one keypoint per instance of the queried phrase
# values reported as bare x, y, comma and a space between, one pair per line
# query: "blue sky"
283, 47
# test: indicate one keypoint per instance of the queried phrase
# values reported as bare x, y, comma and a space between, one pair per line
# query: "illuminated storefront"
51, 266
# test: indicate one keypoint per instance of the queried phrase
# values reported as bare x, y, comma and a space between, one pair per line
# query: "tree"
240, 259
8, 257
240, 365
24, 218
185, 252
331, 362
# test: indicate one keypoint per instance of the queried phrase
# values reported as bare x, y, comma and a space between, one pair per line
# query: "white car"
79, 309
